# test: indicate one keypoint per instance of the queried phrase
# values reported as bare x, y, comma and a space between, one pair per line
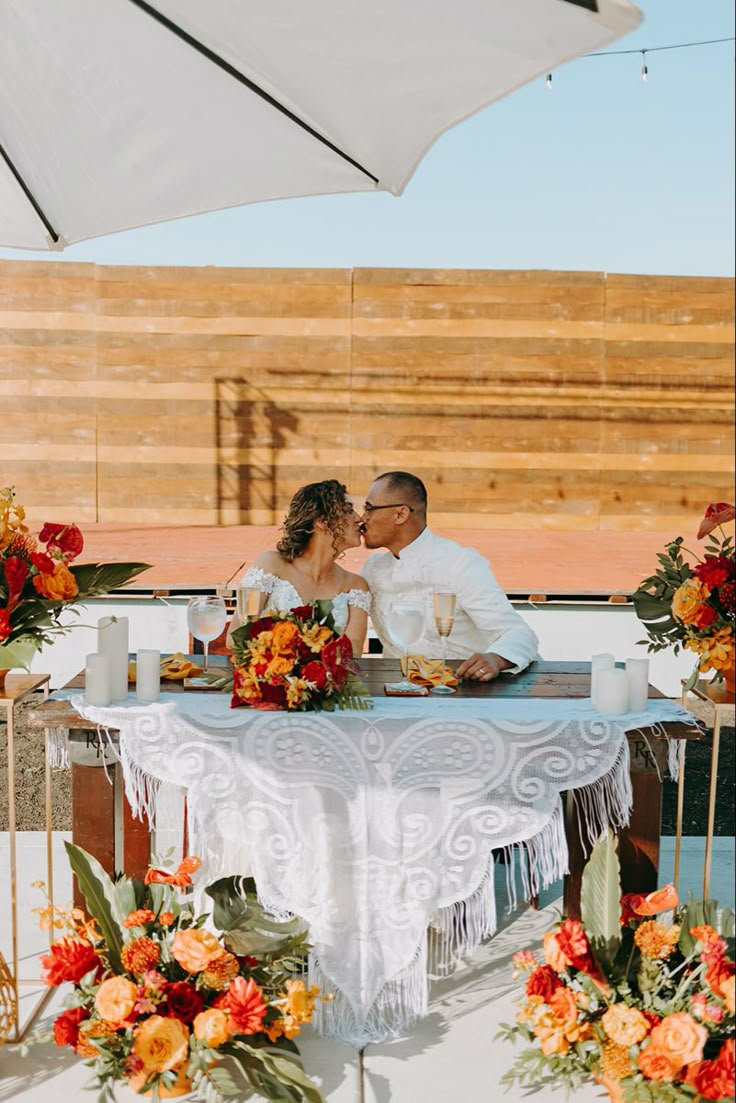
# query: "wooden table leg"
93, 817
136, 844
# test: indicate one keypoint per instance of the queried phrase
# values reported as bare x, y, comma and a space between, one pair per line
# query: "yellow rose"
279, 667
727, 993
680, 1039
210, 1026
553, 955
161, 1043
115, 999
59, 586
689, 600
625, 1025
194, 949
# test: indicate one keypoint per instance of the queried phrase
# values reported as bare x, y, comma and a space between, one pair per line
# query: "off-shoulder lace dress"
285, 597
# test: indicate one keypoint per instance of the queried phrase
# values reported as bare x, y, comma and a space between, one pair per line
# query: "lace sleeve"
257, 579
361, 599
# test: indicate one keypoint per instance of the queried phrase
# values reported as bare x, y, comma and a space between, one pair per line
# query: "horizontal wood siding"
565, 400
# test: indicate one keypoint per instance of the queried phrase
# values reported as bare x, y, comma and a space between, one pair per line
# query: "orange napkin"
428, 672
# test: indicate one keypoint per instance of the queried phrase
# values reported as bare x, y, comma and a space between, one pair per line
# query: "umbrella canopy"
121, 113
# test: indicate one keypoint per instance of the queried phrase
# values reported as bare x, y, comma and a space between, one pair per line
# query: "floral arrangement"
693, 606
39, 579
295, 661
639, 995
160, 1002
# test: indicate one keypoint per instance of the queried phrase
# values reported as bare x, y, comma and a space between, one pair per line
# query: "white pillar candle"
112, 640
148, 676
604, 661
637, 673
97, 680
612, 692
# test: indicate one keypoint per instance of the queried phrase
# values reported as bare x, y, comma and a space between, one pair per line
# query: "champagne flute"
248, 603
444, 619
406, 626
206, 618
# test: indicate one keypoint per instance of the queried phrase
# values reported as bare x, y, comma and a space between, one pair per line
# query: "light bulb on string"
548, 82
644, 69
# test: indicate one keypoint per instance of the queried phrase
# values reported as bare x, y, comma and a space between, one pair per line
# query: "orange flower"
116, 999
221, 970
656, 940
719, 973
553, 955
181, 878
689, 599
679, 1038
161, 1044
139, 954
727, 994
244, 1002
59, 586
139, 918
625, 1025
97, 1029
615, 1061
716, 651
279, 667
166, 919
657, 1065
210, 1026
68, 960
653, 903
284, 637
195, 949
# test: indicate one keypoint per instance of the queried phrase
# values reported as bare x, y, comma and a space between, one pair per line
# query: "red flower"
714, 1079
705, 616
66, 1026
727, 596
69, 960
717, 513
16, 572
43, 563
543, 982
66, 538
337, 656
272, 697
181, 878
183, 1001
573, 941
4, 624
714, 570
630, 901
244, 1001
265, 624
719, 972
315, 673
304, 612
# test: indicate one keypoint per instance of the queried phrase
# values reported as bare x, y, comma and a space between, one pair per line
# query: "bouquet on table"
295, 661
693, 606
166, 1006
39, 580
640, 1001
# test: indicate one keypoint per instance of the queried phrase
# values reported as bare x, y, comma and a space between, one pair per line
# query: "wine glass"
444, 618
206, 618
248, 603
405, 626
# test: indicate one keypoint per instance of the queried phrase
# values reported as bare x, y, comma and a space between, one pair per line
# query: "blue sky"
603, 172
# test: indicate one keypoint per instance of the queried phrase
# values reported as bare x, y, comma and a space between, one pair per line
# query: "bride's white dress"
284, 596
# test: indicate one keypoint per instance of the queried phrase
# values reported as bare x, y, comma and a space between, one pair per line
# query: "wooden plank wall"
566, 400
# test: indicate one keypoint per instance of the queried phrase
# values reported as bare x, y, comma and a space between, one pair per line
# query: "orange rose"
194, 949
284, 636
657, 1065
661, 900
688, 600
59, 586
562, 1002
161, 1044
679, 1038
727, 993
279, 667
625, 1025
553, 955
210, 1026
115, 999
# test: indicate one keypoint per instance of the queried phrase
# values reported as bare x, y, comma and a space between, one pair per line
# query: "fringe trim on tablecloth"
58, 748
607, 802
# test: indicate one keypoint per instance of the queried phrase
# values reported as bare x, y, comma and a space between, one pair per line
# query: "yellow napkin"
428, 672
174, 668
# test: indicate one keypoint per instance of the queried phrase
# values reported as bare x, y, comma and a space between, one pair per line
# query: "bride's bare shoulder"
353, 581
272, 562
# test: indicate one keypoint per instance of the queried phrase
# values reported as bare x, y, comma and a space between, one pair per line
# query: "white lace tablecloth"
377, 828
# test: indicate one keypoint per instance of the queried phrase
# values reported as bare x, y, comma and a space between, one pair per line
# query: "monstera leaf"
247, 927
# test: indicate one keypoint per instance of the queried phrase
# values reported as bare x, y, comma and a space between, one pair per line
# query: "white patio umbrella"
121, 113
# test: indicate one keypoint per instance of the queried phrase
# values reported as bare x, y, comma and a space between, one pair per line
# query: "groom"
488, 634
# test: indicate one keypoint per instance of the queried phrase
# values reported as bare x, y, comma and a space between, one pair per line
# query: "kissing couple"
489, 636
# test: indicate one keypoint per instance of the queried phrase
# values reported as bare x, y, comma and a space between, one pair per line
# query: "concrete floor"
450, 1057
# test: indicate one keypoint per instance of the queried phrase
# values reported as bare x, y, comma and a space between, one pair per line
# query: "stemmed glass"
444, 618
248, 603
405, 626
206, 618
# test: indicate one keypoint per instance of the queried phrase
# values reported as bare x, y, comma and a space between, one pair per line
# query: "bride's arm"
359, 602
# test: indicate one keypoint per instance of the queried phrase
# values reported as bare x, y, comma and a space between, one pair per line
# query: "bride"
320, 525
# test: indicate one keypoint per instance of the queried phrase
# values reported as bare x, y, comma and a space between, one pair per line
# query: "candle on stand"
112, 640
612, 692
97, 680
604, 661
148, 675
637, 673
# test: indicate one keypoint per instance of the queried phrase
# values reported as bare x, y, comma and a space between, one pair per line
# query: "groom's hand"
482, 668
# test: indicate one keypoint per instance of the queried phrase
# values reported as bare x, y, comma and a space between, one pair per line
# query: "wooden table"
121, 842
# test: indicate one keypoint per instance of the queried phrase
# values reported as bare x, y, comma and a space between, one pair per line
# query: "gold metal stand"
17, 688
723, 705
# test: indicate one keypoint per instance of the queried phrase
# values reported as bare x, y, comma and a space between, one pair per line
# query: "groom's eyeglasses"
368, 508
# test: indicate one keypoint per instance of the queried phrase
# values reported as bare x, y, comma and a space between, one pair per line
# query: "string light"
650, 50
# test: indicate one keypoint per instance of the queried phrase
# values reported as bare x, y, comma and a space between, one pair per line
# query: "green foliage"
653, 598
109, 903
599, 898
247, 927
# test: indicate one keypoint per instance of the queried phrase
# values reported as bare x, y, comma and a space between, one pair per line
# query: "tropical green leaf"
600, 894
106, 902
247, 927
96, 579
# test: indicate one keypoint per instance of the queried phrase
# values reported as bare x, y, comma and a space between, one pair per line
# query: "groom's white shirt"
485, 620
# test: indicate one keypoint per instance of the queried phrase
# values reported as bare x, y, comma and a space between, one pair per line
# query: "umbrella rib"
28, 194
206, 52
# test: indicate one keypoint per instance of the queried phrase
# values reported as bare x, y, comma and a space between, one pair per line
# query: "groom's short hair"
408, 488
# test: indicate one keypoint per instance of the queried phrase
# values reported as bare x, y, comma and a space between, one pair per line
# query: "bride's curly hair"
327, 502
